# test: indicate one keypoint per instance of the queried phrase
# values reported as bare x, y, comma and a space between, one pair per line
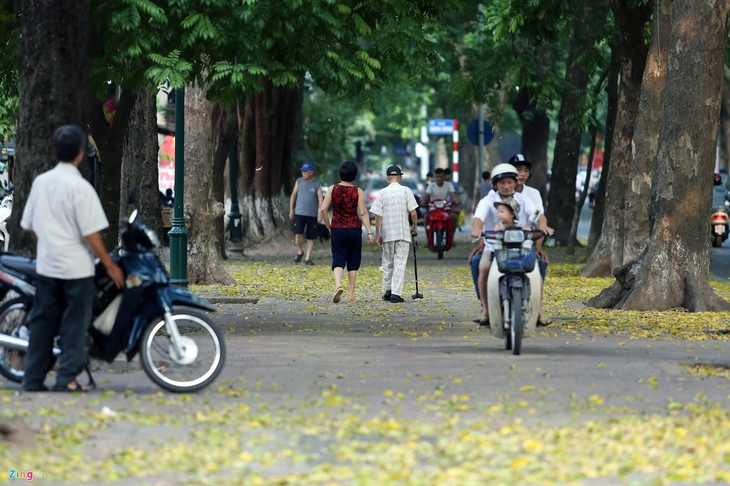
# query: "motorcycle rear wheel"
13, 315
517, 323
203, 345
717, 241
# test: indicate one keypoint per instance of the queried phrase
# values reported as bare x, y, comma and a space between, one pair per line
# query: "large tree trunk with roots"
561, 200
673, 270
597, 217
139, 162
608, 252
535, 136
54, 76
646, 134
204, 246
269, 127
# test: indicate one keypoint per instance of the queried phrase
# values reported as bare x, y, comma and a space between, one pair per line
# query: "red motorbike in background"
719, 224
439, 226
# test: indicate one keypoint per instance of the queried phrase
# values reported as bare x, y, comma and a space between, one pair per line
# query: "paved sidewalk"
423, 362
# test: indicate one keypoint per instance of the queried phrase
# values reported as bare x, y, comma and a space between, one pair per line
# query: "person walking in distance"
305, 205
391, 208
65, 215
349, 214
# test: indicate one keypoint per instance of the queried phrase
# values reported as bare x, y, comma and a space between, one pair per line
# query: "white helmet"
502, 171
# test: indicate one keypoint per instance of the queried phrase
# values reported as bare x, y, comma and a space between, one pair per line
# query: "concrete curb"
232, 300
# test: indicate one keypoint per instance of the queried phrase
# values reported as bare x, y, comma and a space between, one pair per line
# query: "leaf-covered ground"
414, 393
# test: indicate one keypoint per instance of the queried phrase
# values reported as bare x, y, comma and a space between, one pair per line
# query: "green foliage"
9, 82
347, 47
524, 46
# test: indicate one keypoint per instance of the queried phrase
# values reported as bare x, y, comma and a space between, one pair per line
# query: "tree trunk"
612, 102
561, 199
535, 136
225, 128
110, 140
54, 76
673, 270
139, 162
646, 134
725, 123
268, 132
573, 240
608, 252
204, 247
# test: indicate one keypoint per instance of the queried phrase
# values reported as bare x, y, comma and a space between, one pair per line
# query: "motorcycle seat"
22, 265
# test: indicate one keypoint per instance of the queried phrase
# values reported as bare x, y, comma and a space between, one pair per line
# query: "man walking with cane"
392, 232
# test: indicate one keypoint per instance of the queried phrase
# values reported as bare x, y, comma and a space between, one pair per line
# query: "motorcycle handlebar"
499, 234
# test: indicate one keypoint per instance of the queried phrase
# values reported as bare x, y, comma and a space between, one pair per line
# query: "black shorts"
346, 248
308, 222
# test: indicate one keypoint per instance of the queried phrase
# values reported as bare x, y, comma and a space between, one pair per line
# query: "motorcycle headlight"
439, 204
514, 236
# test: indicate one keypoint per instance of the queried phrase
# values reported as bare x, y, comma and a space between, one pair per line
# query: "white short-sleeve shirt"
61, 210
440, 192
533, 195
487, 213
393, 205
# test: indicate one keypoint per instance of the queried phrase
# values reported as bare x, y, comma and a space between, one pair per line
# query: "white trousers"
395, 257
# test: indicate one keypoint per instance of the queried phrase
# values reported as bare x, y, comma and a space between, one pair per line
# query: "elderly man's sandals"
74, 385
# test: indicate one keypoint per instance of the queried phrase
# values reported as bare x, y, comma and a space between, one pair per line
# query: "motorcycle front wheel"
517, 324
203, 347
440, 243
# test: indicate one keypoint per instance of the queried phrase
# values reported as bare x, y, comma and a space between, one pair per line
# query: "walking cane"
417, 295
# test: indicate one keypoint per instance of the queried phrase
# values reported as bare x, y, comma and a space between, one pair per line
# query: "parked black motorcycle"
181, 350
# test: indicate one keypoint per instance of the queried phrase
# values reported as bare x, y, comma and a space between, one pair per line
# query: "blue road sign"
441, 126
472, 132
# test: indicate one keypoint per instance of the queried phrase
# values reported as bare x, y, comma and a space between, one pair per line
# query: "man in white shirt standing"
524, 168
65, 215
391, 209
504, 179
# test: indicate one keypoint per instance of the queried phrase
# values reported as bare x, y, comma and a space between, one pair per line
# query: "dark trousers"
62, 308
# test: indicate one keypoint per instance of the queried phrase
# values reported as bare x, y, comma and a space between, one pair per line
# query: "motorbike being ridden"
719, 220
180, 349
439, 227
513, 286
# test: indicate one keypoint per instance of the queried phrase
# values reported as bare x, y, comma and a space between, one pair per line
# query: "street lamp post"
178, 233
234, 217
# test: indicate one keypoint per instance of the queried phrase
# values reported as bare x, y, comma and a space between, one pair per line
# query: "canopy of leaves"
346, 46
524, 46
9, 82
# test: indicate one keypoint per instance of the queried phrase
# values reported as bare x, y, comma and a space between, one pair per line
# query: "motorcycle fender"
535, 301
494, 299
168, 298
186, 298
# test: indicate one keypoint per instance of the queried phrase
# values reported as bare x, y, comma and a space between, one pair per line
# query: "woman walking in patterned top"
348, 215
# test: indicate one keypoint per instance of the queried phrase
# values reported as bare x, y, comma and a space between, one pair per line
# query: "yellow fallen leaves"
686, 444
709, 370
565, 288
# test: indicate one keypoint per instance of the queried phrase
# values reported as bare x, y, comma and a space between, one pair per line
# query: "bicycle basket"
516, 260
